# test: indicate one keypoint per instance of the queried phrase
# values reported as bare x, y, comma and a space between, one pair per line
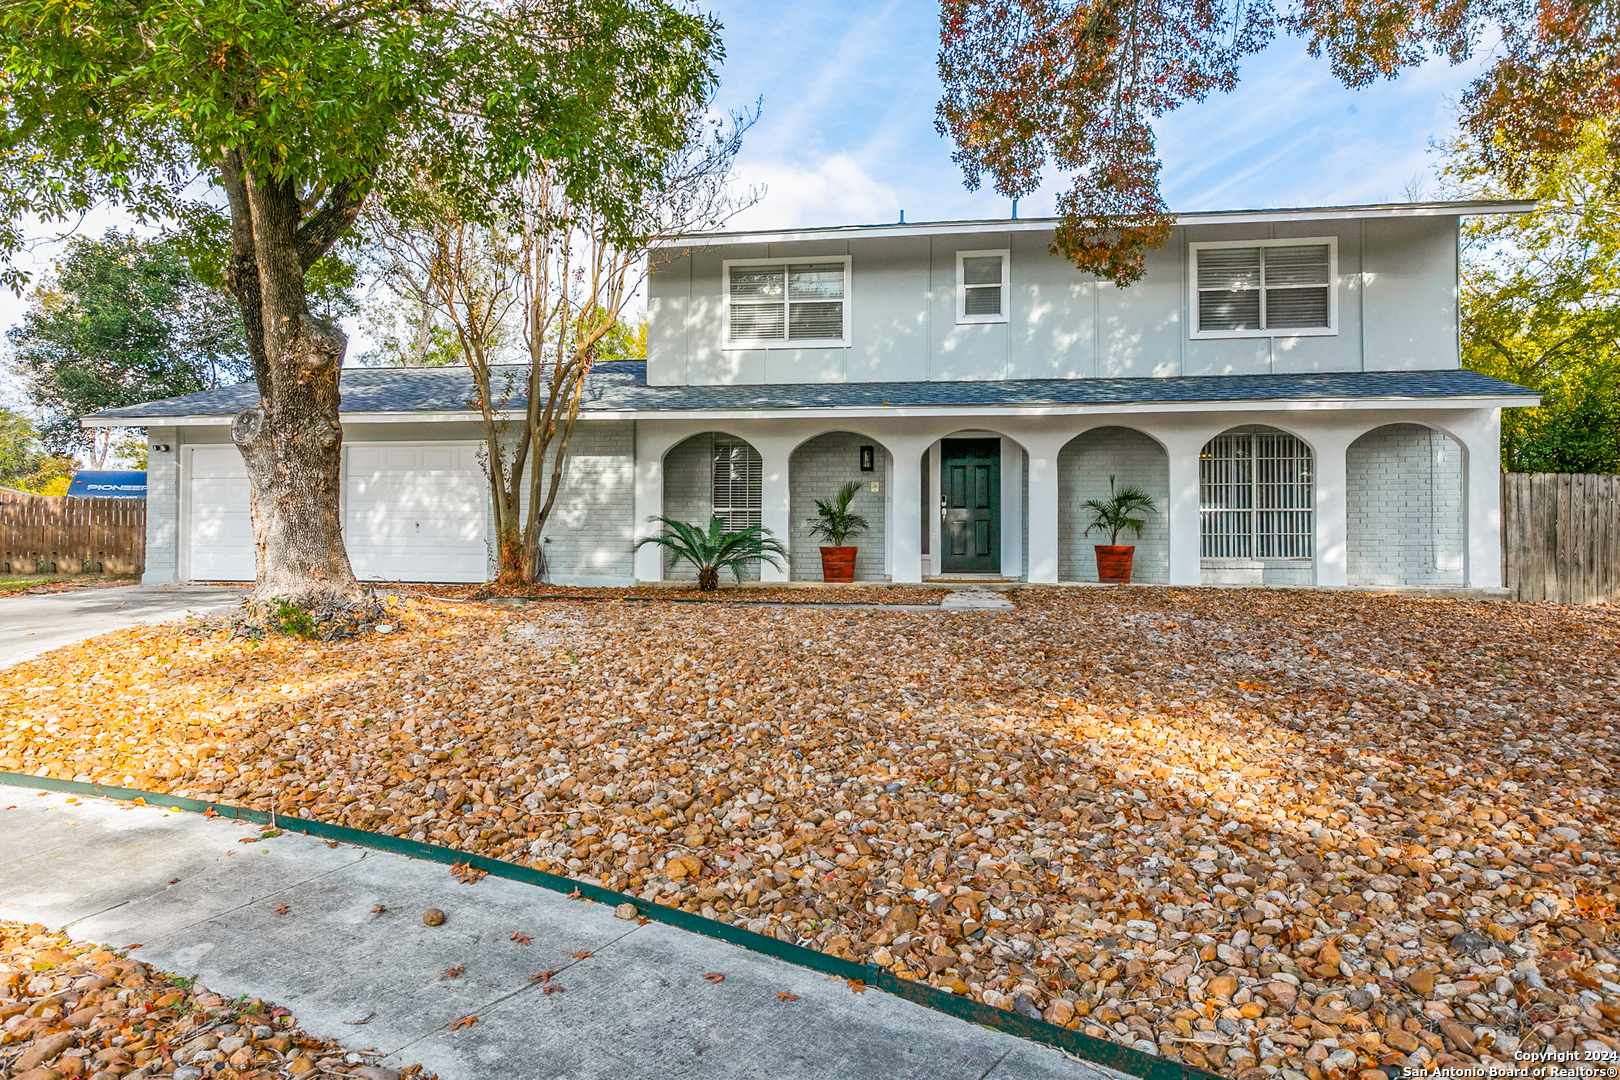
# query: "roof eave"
1389, 401
1212, 217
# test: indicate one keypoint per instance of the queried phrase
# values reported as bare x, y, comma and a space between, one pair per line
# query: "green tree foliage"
626, 340
294, 110
1541, 303
25, 464
120, 321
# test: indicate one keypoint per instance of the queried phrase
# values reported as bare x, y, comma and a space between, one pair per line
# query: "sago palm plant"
1118, 512
716, 549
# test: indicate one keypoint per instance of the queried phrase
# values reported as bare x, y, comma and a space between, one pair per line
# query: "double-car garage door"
411, 512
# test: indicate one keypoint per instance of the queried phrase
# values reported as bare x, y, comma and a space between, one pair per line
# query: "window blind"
1264, 287
981, 285
737, 484
787, 302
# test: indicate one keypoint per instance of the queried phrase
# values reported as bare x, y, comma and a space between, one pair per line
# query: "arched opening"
712, 475
817, 469
1257, 508
1404, 505
1085, 466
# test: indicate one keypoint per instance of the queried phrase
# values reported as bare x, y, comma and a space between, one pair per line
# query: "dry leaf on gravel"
70, 1009
1152, 815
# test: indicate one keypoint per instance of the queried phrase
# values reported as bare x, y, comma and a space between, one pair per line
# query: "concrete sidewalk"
637, 1006
31, 625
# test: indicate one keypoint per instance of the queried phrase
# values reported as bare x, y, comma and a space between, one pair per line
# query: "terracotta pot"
1114, 563
838, 563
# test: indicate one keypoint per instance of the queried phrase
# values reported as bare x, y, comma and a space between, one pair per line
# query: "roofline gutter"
1475, 401
1023, 225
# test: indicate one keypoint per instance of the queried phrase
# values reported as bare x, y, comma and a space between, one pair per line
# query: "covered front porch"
1345, 493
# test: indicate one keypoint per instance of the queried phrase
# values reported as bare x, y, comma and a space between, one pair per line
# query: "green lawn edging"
1111, 1055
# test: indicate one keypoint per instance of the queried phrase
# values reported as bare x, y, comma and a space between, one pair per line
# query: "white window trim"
727, 344
961, 286
1330, 330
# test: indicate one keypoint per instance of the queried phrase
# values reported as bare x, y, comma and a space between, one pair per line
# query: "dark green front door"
970, 501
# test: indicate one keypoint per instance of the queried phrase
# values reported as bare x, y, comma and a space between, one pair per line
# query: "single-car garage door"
416, 512
219, 533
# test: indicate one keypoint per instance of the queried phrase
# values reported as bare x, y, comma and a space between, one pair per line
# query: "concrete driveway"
30, 625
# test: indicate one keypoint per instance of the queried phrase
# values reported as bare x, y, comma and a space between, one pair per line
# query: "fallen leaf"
134, 946
785, 996
379, 909
552, 989
543, 976
248, 840
522, 939
583, 955
466, 873
576, 894
464, 1022
454, 972
210, 812
174, 881
857, 986
715, 977
283, 909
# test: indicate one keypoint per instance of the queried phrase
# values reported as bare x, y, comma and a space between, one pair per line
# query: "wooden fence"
48, 535
1561, 537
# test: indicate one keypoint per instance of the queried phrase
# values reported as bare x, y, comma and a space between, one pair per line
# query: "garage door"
416, 512
219, 536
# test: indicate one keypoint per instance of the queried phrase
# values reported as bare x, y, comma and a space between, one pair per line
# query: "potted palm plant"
835, 523
716, 549
1114, 515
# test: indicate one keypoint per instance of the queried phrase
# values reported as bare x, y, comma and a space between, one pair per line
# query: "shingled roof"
621, 387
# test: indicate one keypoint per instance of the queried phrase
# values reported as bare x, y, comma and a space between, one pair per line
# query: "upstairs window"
786, 304
981, 286
1280, 288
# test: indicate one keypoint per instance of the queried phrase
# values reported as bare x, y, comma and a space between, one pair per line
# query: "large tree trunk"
292, 440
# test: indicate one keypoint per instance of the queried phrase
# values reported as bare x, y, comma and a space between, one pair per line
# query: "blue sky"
847, 132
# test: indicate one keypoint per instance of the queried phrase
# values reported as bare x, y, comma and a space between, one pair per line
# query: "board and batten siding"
1396, 290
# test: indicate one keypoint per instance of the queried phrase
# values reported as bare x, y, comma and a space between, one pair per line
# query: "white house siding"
1404, 505
1084, 466
818, 469
162, 508
1396, 296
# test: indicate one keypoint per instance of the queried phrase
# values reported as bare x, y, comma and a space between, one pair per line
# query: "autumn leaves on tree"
1033, 83
294, 112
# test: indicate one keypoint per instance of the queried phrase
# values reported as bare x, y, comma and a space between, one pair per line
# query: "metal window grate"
1256, 497
738, 472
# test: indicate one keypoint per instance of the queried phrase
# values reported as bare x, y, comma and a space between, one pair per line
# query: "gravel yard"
1254, 830
73, 1009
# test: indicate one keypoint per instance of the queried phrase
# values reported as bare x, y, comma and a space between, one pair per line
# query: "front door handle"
942, 508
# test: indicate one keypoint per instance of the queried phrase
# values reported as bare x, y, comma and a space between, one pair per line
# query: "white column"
1332, 513
1483, 498
649, 501
1043, 509
1186, 523
906, 524
1012, 509
776, 503
935, 493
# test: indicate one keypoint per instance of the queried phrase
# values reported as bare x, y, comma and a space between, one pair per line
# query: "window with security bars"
1256, 497
1264, 288
737, 484
785, 302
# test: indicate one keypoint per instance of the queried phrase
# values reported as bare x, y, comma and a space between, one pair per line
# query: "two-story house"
1286, 384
